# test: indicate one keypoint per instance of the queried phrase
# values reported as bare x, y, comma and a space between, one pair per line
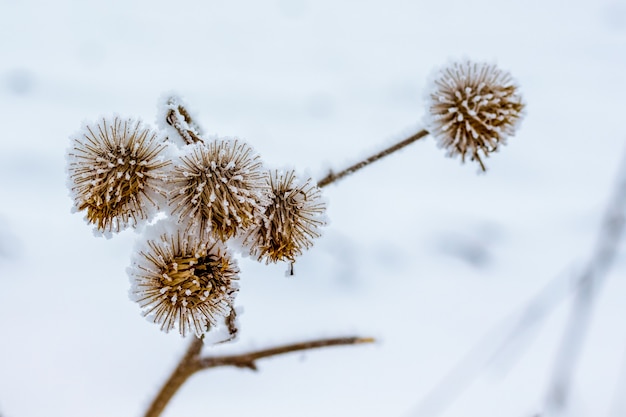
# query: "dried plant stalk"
191, 362
332, 177
179, 118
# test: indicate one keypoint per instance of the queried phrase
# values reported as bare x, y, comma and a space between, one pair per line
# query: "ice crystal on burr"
218, 187
116, 172
184, 282
473, 108
292, 219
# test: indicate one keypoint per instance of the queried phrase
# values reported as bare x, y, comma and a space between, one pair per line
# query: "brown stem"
189, 131
179, 118
248, 360
192, 363
185, 368
332, 177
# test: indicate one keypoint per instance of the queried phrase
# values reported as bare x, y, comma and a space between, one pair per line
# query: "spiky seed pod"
116, 171
473, 108
292, 219
218, 187
182, 281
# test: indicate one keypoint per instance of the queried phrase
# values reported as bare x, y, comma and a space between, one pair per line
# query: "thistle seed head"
116, 172
218, 187
292, 219
184, 282
473, 108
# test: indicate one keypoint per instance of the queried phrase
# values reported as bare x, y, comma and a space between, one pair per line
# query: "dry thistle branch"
178, 117
472, 109
332, 177
217, 194
192, 362
248, 360
181, 373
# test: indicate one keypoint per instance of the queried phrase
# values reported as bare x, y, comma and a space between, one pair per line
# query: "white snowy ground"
422, 253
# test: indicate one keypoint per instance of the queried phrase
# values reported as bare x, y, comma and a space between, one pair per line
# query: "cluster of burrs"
205, 197
196, 200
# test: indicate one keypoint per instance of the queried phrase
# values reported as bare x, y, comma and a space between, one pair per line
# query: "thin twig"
482, 355
189, 131
332, 177
492, 347
618, 403
179, 118
248, 360
191, 363
185, 368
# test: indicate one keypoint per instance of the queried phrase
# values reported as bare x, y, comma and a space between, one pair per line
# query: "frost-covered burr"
473, 108
183, 281
292, 219
218, 187
116, 173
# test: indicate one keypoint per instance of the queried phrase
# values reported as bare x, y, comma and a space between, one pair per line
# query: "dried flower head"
292, 218
116, 171
473, 108
218, 187
184, 282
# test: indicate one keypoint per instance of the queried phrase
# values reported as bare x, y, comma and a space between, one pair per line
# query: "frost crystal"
184, 282
115, 172
292, 219
473, 108
218, 187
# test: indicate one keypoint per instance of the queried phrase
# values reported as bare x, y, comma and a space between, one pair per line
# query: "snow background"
421, 253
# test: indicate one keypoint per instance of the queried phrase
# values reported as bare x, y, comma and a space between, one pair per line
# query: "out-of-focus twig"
493, 345
618, 404
587, 289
